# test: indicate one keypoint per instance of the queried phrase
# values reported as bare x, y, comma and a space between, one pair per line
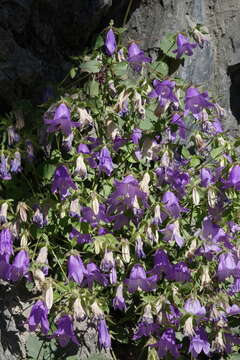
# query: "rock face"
37, 38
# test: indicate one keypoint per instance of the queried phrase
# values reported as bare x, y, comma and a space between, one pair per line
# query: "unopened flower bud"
19, 118
42, 257
218, 343
48, 295
112, 88
120, 55
212, 197
22, 210
95, 205
188, 329
144, 183
195, 196
84, 117
138, 104
193, 246
125, 251
205, 279
78, 311
200, 144
75, 208
165, 160
148, 312
24, 240
221, 112
112, 129
98, 313
81, 169
39, 279
3, 213
157, 215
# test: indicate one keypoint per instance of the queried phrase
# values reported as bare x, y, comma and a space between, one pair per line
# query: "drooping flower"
20, 265
167, 344
139, 248
119, 301
110, 43
4, 168
177, 119
62, 182
13, 136
136, 136
184, 47
104, 338
29, 150
136, 57
233, 179
195, 102
179, 272
65, 332
76, 269
94, 218
105, 161
94, 274
199, 343
3, 213
193, 306
171, 205
161, 263
163, 90
81, 238
38, 218
138, 279
61, 121
6, 242
16, 163
172, 233
38, 316
227, 265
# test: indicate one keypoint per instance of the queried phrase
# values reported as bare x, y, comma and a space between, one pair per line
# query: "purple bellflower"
94, 274
119, 301
167, 344
177, 119
227, 266
184, 47
105, 162
76, 269
81, 238
94, 219
139, 248
6, 242
199, 343
163, 90
16, 163
195, 102
38, 316
193, 306
61, 121
64, 332
172, 233
104, 338
138, 279
110, 43
136, 136
20, 266
4, 169
136, 57
62, 182
171, 205
161, 263
179, 272
233, 179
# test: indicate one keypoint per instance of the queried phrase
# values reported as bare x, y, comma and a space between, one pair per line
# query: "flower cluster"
126, 203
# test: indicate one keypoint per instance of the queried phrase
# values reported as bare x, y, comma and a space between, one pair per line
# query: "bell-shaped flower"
161, 263
39, 316
62, 182
172, 233
167, 344
163, 91
193, 306
16, 163
61, 121
179, 272
65, 332
104, 338
110, 43
136, 136
177, 119
139, 248
233, 179
4, 168
227, 265
138, 280
20, 265
136, 57
199, 343
119, 301
81, 238
105, 161
76, 269
184, 47
6, 242
195, 102
94, 274
171, 205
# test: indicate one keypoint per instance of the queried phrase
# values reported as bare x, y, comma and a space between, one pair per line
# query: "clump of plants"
120, 205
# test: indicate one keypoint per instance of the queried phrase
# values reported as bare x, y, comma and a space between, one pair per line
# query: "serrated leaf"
34, 347
120, 69
160, 67
91, 66
168, 44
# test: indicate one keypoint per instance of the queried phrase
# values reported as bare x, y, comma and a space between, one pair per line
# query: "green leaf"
216, 152
168, 44
120, 69
92, 88
48, 171
194, 162
91, 66
98, 43
97, 357
186, 153
73, 72
34, 347
160, 67
150, 118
